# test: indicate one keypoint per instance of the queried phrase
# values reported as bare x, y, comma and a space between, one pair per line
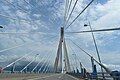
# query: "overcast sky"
45, 17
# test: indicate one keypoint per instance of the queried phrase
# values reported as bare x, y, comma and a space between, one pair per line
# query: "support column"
58, 60
81, 67
92, 61
13, 68
67, 63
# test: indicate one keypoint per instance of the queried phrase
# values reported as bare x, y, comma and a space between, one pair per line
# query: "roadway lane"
57, 77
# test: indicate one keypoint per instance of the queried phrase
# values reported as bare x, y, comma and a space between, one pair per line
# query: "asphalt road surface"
57, 77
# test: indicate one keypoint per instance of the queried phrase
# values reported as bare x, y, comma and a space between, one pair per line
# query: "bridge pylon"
62, 49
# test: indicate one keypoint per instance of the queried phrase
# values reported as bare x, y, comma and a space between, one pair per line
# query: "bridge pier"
58, 61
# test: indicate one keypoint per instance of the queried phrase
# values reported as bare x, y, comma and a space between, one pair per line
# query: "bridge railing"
99, 76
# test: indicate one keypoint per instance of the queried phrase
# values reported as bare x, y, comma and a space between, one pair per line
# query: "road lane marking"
72, 77
44, 77
60, 76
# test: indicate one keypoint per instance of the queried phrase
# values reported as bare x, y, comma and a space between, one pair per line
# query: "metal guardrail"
99, 76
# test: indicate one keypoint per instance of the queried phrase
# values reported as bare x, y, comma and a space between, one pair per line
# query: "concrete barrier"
21, 76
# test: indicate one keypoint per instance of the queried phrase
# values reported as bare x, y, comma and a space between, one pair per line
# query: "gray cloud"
48, 20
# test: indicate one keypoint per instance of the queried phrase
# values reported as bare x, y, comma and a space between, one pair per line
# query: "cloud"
101, 16
46, 17
21, 14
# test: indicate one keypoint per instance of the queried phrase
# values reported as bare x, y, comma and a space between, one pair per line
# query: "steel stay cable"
29, 64
18, 59
97, 31
31, 5
49, 65
96, 48
44, 68
100, 30
47, 68
24, 33
71, 12
16, 6
69, 6
17, 46
46, 65
50, 68
38, 10
90, 56
8, 17
79, 14
21, 58
46, 59
80, 48
65, 13
14, 47
21, 20
28, 4
43, 64
38, 63
21, 10
74, 53
72, 57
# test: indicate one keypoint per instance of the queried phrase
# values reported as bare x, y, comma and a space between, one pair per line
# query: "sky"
41, 20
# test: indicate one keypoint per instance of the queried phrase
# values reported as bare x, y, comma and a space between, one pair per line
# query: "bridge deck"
18, 76
57, 77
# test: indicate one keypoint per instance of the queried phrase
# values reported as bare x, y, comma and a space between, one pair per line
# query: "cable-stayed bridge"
61, 67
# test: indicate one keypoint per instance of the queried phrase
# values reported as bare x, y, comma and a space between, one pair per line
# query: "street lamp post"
95, 45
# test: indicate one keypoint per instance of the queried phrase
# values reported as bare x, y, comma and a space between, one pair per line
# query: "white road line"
73, 77
44, 77
60, 76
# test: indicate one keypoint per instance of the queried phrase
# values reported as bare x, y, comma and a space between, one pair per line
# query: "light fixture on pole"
1, 26
85, 25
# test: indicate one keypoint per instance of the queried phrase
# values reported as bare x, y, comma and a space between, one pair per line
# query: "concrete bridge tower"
62, 49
